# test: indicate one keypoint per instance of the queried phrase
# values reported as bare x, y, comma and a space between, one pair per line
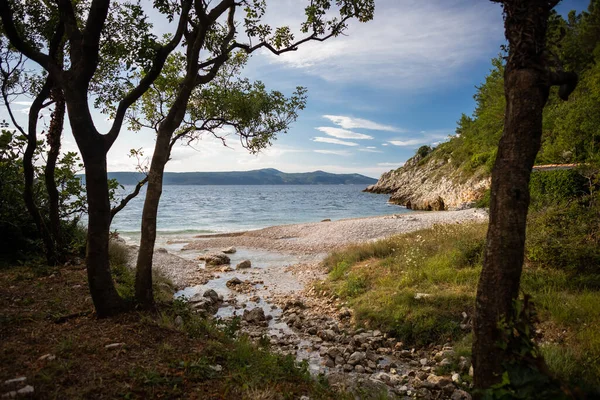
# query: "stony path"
279, 303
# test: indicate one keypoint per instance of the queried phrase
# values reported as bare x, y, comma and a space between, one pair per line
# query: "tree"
254, 114
89, 27
85, 32
528, 77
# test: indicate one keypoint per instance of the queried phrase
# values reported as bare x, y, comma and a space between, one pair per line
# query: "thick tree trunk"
93, 149
143, 277
526, 89
54, 139
104, 295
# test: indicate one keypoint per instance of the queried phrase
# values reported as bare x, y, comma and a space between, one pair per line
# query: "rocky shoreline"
431, 184
279, 301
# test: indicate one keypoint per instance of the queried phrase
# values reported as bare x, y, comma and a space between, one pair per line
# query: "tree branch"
129, 197
149, 78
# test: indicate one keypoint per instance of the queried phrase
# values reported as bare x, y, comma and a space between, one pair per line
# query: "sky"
375, 95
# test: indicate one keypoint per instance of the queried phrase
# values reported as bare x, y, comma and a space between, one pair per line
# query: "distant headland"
268, 176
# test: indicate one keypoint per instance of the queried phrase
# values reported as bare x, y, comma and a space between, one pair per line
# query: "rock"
423, 361
439, 381
463, 364
229, 250
445, 363
244, 264
162, 250
216, 367
211, 295
327, 334
471, 370
254, 316
344, 313
348, 367
233, 282
329, 363
326, 220
356, 358
456, 378
48, 357
114, 345
215, 259
20, 379
460, 395
444, 354
419, 296
334, 352
178, 320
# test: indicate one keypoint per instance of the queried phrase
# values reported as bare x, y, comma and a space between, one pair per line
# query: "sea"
206, 209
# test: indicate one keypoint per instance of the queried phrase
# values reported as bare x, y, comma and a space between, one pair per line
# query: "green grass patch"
416, 286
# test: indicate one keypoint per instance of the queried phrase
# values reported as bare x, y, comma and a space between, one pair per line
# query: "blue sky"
375, 95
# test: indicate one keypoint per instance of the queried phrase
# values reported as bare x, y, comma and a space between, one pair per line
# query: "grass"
416, 286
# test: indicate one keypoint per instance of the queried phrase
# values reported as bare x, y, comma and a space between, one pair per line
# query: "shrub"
557, 186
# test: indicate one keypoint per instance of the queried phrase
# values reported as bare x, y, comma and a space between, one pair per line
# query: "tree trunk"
29, 173
526, 89
54, 136
104, 295
143, 277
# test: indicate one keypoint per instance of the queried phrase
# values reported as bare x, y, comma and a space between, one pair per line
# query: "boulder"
244, 264
233, 282
439, 382
215, 259
229, 250
460, 395
211, 295
254, 316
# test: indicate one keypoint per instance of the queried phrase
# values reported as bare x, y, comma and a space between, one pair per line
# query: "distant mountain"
267, 176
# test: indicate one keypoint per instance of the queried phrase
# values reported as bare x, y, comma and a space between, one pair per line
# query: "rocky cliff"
431, 183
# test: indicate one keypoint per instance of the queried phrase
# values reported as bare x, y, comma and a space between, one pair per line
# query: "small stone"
234, 282
48, 357
359, 368
348, 367
423, 361
244, 265
460, 395
20, 379
329, 363
445, 362
356, 358
255, 315
26, 390
439, 381
326, 220
471, 371
114, 345
161, 250
212, 295
217, 367
456, 378
178, 320
229, 250
419, 296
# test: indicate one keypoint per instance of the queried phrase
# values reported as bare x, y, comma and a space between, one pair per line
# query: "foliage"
525, 373
22, 238
423, 151
557, 186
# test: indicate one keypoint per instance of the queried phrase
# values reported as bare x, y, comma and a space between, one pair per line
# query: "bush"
557, 186
423, 151
566, 237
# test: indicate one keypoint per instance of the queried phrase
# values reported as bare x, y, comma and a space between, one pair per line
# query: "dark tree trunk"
143, 276
54, 139
104, 295
526, 86
93, 149
29, 174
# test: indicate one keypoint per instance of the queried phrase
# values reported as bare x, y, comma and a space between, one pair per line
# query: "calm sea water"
210, 209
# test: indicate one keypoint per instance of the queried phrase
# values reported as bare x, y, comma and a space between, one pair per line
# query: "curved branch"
129, 197
148, 79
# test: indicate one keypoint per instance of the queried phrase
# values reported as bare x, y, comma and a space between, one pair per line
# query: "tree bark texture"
29, 173
93, 149
54, 140
526, 89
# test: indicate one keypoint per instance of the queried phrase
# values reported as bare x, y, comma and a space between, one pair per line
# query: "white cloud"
359, 123
385, 144
370, 150
410, 43
371, 147
342, 133
333, 141
403, 143
334, 152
